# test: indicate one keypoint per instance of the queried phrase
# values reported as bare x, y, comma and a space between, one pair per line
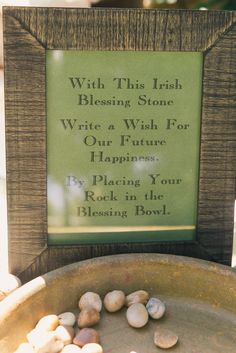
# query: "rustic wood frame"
27, 33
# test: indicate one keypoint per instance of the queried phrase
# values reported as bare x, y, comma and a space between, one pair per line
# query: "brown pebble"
86, 335
164, 338
114, 300
88, 317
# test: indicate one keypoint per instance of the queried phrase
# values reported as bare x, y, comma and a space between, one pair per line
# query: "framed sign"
123, 172
120, 129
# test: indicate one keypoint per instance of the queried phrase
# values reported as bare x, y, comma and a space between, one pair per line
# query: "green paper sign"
123, 136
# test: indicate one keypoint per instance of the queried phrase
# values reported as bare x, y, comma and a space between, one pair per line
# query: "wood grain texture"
28, 32
26, 153
218, 153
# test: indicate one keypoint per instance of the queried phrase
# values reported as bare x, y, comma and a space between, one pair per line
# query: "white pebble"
34, 336
48, 323
65, 334
71, 348
137, 315
92, 348
47, 342
67, 318
8, 283
90, 299
156, 308
25, 348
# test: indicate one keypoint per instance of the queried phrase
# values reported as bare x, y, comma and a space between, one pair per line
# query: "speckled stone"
139, 296
90, 300
86, 335
164, 338
88, 317
114, 300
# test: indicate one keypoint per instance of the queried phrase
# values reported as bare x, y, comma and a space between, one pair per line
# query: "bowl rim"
23, 293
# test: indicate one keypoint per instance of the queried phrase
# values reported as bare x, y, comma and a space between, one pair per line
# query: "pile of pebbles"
66, 333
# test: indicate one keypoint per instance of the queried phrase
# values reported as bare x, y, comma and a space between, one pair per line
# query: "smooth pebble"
25, 348
67, 318
137, 315
48, 323
90, 299
47, 342
8, 283
139, 296
34, 336
164, 338
92, 348
88, 317
65, 334
71, 348
86, 335
156, 308
114, 300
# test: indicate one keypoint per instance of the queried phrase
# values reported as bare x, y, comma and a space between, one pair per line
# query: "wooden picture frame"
28, 32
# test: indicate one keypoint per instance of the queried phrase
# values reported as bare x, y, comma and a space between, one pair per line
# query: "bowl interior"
200, 298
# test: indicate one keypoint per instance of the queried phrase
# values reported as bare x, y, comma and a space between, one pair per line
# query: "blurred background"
158, 4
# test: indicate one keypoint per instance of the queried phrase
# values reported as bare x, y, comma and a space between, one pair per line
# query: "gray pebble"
156, 308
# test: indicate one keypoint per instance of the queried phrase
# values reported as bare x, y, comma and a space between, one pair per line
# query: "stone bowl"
200, 297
